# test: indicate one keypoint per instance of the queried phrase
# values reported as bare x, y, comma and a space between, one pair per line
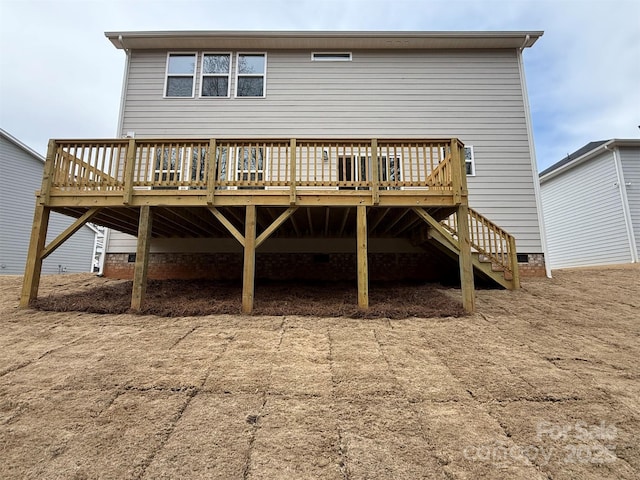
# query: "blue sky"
61, 78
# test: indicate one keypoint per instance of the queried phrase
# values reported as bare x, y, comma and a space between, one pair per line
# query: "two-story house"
326, 155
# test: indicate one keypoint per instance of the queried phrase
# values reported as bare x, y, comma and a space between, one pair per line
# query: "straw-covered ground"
541, 383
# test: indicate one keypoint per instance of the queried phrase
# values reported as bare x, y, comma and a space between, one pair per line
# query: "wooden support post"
457, 172
47, 178
363, 267
142, 258
375, 172
248, 274
33, 268
130, 168
513, 260
292, 171
211, 173
466, 266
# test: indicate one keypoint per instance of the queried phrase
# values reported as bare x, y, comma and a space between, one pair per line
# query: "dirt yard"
542, 383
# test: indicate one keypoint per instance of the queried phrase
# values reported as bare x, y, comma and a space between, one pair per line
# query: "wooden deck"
253, 189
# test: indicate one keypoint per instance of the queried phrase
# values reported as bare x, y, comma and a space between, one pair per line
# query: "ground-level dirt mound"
177, 298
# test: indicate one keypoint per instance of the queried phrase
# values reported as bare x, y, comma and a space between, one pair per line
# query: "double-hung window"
251, 74
180, 77
469, 161
216, 70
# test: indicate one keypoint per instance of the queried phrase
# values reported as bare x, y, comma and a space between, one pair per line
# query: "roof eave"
296, 40
19, 144
552, 172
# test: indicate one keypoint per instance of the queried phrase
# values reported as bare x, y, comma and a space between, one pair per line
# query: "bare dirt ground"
542, 383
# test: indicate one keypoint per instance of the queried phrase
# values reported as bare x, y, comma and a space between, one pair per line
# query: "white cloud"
59, 76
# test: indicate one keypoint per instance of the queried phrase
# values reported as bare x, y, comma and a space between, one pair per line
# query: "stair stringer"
449, 245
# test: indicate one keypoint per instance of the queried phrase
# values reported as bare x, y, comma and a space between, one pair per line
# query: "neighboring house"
329, 149
21, 169
591, 205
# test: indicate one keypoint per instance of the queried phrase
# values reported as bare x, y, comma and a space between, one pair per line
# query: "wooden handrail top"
303, 140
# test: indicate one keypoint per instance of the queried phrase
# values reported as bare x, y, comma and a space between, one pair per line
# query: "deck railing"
488, 240
112, 165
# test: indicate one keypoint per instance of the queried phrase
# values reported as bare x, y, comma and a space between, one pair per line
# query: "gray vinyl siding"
21, 177
583, 216
630, 159
473, 95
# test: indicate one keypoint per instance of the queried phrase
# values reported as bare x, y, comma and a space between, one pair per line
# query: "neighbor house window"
331, 56
216, 70
469, 161
181, 72
251, 75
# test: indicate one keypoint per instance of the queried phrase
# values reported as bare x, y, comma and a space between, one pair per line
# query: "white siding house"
21, 169
468, 85
591, 205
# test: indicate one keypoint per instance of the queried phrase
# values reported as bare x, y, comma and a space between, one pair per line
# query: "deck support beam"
275, 225
227, 224
142, 258
69, 231
466, 266
33, 268
363, 266
249, 270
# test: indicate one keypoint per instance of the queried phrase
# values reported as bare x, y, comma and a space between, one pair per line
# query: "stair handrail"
489, 240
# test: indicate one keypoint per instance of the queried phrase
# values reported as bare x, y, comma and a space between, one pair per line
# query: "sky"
61, 78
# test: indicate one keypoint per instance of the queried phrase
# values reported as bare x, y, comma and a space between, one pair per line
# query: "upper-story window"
181, 72
215, 70
251, 75
469, 161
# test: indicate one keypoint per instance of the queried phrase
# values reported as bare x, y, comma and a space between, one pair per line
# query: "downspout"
103, 256
123, 97
625, 203
95, 249
534, 163
125, 85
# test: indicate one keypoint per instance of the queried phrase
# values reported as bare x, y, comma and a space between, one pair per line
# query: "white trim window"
180, 77
251, 75
215, 74
331, 56
469, 161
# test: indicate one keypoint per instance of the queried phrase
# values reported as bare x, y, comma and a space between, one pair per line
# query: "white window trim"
263, 75
472, 162
193, 75
331, 59
202, 74
473, 159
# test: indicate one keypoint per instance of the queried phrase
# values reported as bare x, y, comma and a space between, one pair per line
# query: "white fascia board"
321, 40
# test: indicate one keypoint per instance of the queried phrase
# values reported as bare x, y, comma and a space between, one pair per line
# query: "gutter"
125, 86
123, 97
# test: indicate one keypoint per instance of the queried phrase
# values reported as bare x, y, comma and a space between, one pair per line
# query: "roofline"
21, 145
297, 40
556, 169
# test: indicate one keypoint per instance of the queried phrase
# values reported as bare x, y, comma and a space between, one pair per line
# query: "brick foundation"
280, 266
534, 268
425, 266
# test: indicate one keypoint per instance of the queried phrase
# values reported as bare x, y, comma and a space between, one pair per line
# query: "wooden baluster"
292, 171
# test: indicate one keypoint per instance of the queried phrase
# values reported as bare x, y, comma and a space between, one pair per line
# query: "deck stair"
493, 249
